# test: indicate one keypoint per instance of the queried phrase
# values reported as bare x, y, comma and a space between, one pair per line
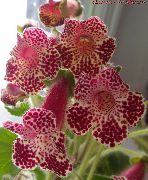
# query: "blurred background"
127, 23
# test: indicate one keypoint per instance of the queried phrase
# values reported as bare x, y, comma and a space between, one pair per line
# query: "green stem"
95, 163
121, 149
137, 133
50, 176
86, 158
142, 143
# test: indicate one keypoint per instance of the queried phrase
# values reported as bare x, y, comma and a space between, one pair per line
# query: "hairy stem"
95, 162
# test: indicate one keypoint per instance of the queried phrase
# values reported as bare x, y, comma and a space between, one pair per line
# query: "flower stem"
50, 176
86, 157
95, 163
121, 149
137, 133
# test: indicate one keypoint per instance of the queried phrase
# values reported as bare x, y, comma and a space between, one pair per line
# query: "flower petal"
14, 127
80, 118
23, 154
30, 81
104, 49
95, 26
110, 80
131, 105
40, 120
11, 70
49, 63
57, 161
110, 130
36, 38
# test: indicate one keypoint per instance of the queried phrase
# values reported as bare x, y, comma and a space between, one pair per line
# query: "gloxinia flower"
85, 45
53, 13
11, 94
41, 140
40, 143
33, 60
105, 104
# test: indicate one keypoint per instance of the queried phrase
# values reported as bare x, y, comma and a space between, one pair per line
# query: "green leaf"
40, 175
18, 111
6, 165
113, 163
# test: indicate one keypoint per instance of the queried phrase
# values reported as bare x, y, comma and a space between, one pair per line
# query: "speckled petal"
12, 70
84, 86
30, 81
39, 120
50, 14
131, 105
23, 154
95, 26
80, 118
109, 129
57, 161
50, 63
110, 80
36, 38
14, 127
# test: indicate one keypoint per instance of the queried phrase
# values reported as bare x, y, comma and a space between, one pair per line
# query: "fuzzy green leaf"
6, 165
18, 111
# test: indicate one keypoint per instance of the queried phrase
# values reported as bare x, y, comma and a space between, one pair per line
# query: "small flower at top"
40, 143
105, 104
11, 94
32, 60
85, 45
54, 12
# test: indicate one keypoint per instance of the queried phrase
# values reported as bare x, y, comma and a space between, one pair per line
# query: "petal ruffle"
30, 80
36, 38
12, 70
95, 26
14, 127
40, 120
80, 118
131, 106
57, 161
23, 154
110, 130
109, 80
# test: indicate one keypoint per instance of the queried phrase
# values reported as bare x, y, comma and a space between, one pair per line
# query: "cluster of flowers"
103, 103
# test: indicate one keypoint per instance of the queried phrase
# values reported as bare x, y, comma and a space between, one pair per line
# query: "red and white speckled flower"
85, 45
11, 94
33, 59
51, 14
40, 143
105, 104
